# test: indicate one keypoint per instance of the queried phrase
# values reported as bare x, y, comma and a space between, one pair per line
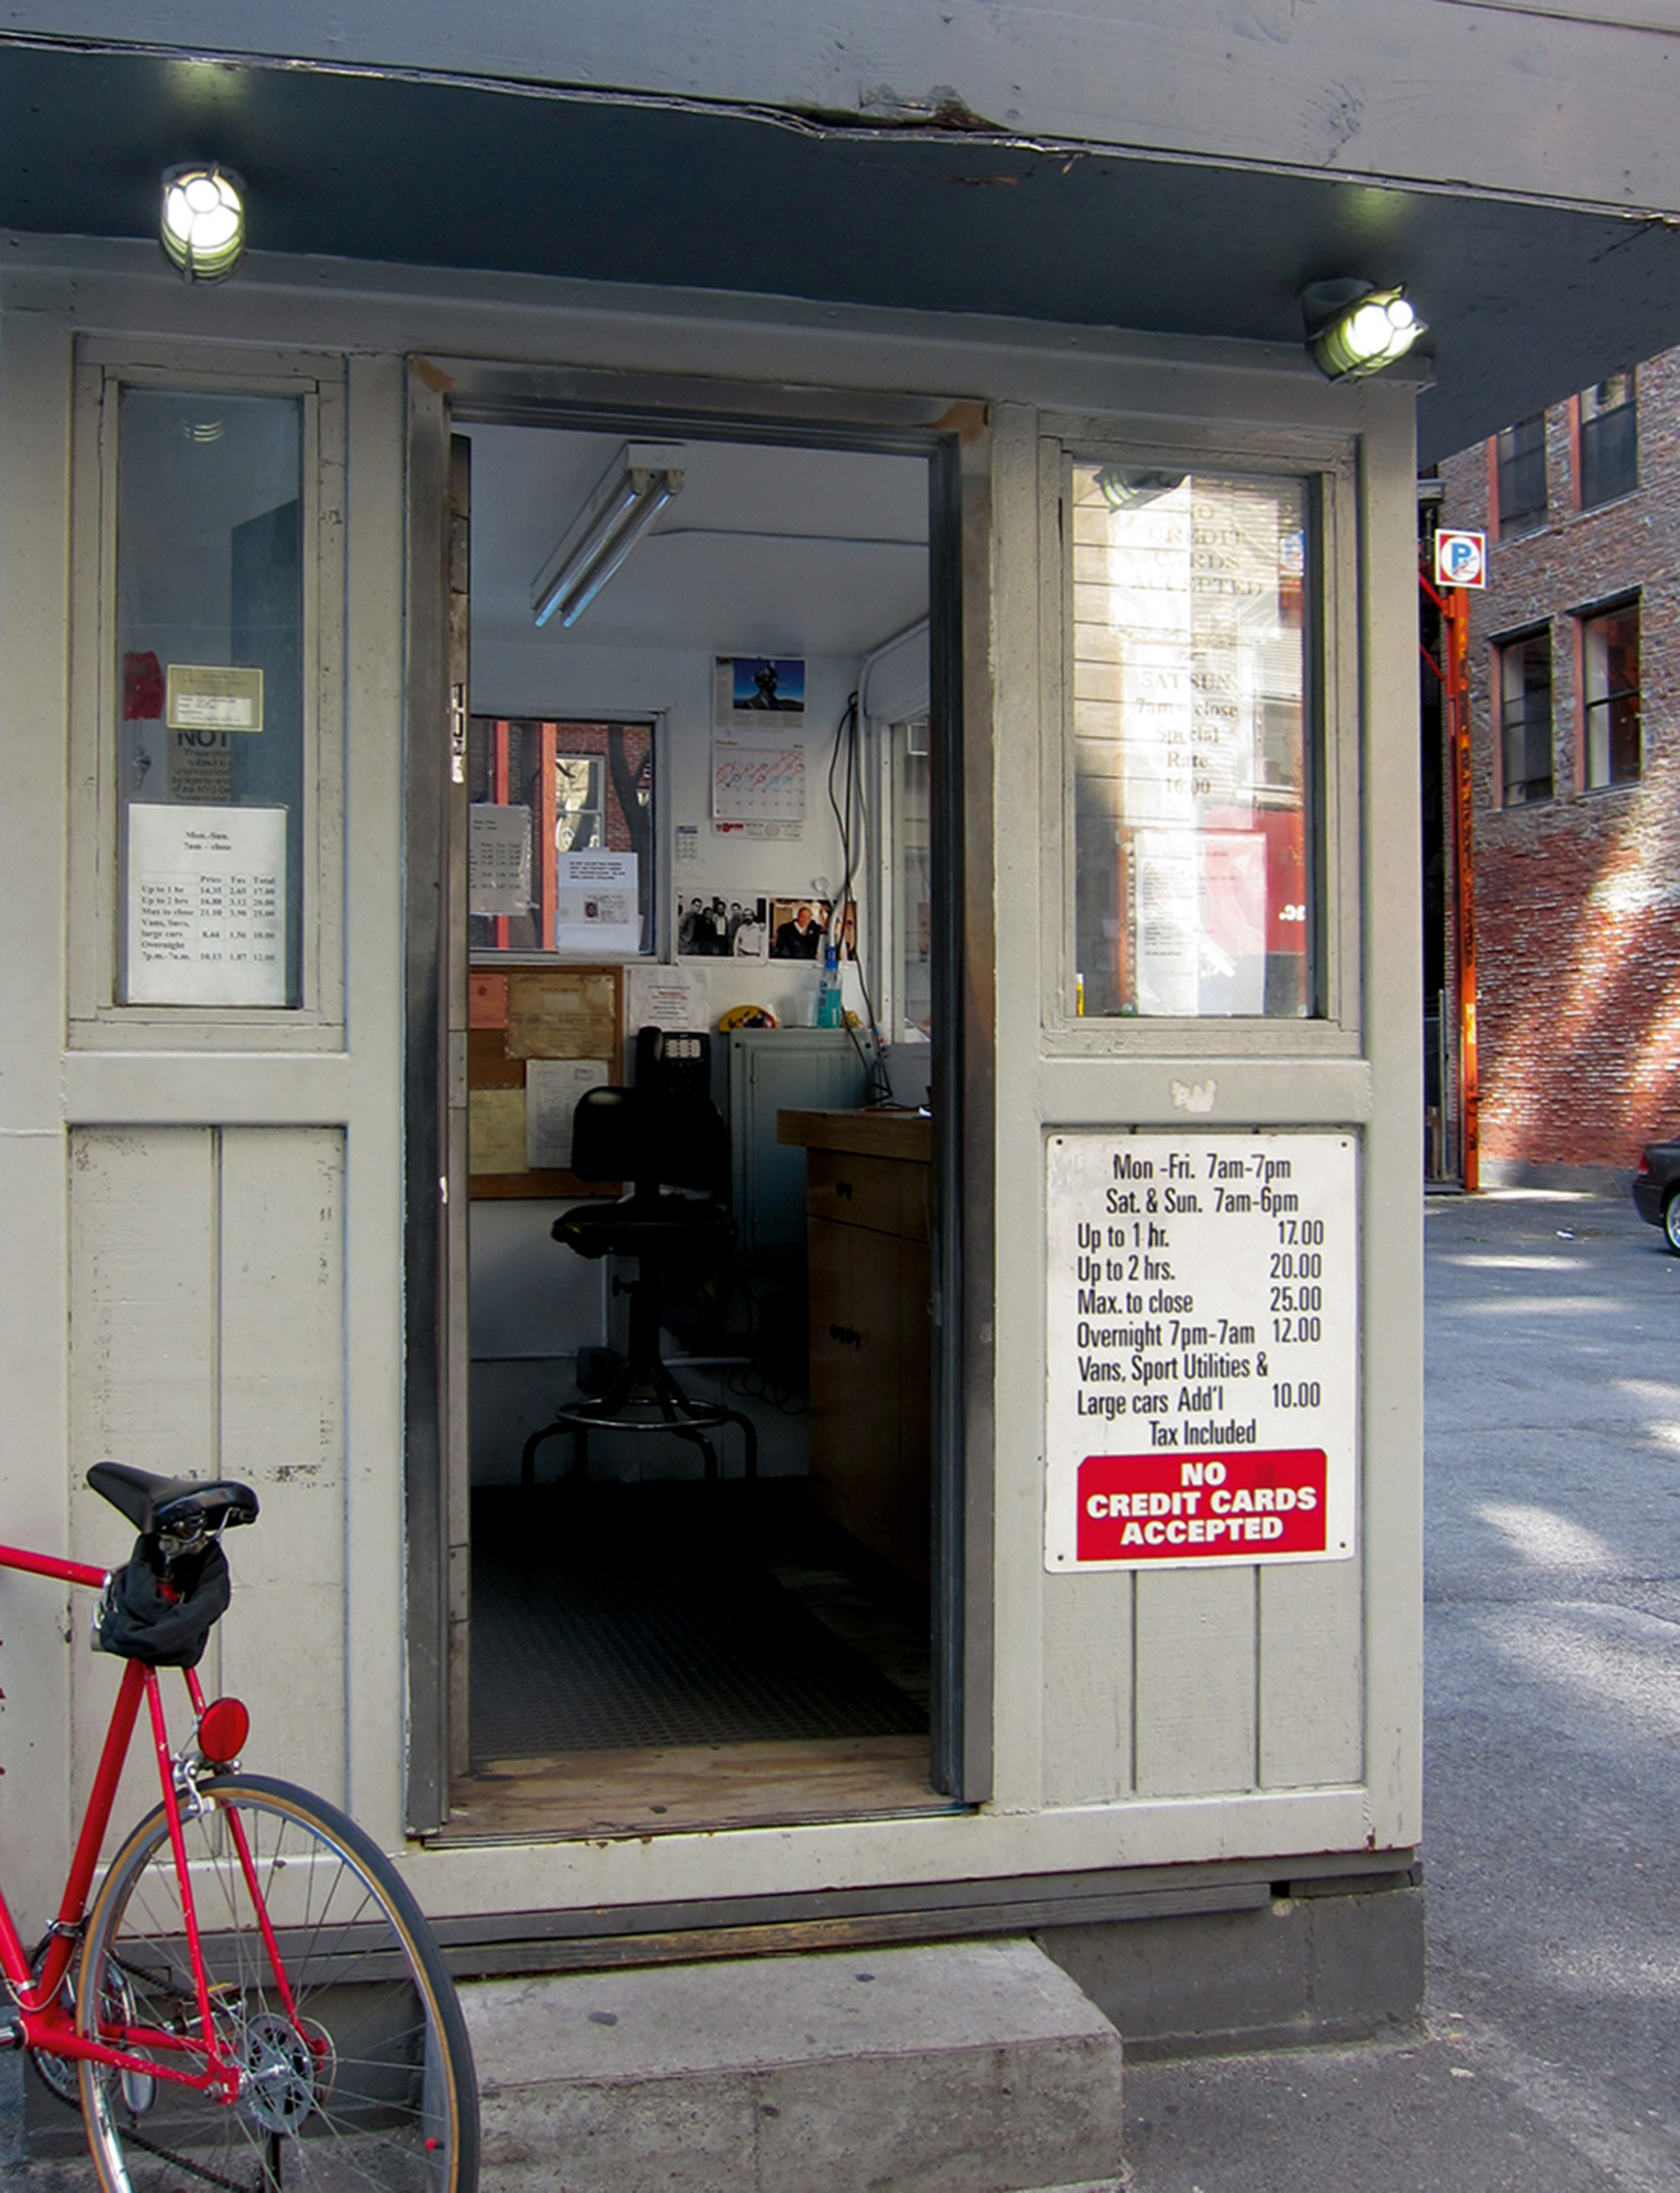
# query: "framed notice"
206, 906
1202, 1387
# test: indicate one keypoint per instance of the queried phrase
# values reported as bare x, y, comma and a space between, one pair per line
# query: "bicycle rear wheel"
357, 2072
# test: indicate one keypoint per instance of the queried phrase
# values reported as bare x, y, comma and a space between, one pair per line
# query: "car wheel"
1671, 1221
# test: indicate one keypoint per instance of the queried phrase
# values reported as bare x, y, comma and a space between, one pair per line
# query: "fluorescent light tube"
637, 485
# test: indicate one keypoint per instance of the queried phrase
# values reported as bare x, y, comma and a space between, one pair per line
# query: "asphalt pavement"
1548, 2059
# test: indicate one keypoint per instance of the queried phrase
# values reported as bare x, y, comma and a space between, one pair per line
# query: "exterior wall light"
1354, 328
203, 226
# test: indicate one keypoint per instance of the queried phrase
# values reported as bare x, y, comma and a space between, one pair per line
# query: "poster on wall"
1202, 1349
758, 744
206, 906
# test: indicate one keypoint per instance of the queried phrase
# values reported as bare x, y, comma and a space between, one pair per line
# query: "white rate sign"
1202, 1362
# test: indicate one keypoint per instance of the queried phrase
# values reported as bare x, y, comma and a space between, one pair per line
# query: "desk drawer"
853, 1191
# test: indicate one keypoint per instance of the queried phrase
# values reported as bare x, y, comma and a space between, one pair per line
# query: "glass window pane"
1609, 440
1525, 706
1521, 470
1610, 690
210, 701
562, 840
1193, 887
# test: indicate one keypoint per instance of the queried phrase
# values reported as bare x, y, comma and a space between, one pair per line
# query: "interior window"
561, 836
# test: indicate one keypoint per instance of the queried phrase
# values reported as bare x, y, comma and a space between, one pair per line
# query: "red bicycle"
252, 2000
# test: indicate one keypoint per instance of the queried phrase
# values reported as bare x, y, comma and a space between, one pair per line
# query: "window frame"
1582, 620
104, 368
1502, 646
1328, 464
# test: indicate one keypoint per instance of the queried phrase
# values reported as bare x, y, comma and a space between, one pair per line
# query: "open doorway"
700, 798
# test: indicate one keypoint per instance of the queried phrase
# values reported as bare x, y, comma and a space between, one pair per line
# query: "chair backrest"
665, 1132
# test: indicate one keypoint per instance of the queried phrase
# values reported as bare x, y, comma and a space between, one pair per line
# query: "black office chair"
665, 1133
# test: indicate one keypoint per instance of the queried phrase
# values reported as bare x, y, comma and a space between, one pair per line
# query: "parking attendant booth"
951, 749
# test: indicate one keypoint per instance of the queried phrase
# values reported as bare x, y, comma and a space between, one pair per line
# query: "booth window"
1193, 878
1610, 644
1524, 669
561, 836
209, 700
1609, 440
1519, 457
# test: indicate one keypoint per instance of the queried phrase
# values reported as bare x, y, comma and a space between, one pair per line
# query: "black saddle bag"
164, 1612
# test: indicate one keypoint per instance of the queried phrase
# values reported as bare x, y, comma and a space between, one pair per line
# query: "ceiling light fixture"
638, 484
203, 226
1354, 328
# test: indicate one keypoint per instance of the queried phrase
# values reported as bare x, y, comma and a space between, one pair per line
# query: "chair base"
643, 1399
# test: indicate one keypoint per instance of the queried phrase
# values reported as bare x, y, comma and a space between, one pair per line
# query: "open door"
826, 1609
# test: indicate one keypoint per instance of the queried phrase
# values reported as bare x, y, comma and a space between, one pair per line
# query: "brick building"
1574, 668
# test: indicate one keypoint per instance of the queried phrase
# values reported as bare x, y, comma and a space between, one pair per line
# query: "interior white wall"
546, 677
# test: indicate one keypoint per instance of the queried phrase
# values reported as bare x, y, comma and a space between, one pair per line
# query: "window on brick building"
1610, 643
1523, 667
1520, 457
1609, 440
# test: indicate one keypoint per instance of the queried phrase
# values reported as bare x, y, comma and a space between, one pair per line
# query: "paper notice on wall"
206, 906
499, 859
552, 1088
200, 767
663, 998
495, 1130
598, 908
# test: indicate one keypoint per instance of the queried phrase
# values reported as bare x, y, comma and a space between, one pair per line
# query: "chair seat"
645, 1226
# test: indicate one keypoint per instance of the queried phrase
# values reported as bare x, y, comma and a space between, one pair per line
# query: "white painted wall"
536, 677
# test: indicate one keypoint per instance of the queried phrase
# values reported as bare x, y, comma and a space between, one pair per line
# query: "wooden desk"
867, 1181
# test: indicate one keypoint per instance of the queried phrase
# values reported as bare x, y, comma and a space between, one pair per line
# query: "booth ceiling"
1525, 302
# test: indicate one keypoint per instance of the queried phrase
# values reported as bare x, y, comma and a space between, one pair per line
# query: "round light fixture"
202, 227
1354, 329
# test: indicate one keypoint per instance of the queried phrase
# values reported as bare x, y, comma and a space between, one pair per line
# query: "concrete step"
972, 2067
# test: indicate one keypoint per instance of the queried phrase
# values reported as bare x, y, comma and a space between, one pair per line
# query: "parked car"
1656, 1189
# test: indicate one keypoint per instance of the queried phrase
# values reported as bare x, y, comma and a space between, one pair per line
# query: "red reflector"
222, 1730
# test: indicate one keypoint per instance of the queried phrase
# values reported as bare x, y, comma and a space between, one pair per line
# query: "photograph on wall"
712, 927
748, 688
797, 927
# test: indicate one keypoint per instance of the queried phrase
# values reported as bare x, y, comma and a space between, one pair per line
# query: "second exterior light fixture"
1354, 329
202, 227
637, 485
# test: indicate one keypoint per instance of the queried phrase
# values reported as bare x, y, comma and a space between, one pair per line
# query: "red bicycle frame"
44, 2022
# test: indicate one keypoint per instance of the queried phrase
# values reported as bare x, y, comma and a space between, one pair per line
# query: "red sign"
1225, 1505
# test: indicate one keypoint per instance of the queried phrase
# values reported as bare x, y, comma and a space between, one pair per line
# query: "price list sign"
1201, 1374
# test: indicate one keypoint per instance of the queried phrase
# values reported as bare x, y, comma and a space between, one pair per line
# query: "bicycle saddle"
185, 1507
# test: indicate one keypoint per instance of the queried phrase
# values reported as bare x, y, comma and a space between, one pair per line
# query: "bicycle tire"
365, 2082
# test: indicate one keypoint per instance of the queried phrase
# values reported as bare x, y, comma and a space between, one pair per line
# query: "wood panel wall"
208, 1339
